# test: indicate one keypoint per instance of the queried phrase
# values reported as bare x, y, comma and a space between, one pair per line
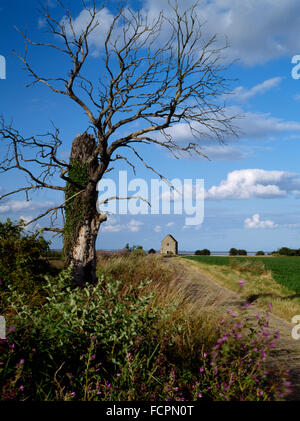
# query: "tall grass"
133, 336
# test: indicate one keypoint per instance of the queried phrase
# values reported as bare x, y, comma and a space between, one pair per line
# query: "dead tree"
147, 78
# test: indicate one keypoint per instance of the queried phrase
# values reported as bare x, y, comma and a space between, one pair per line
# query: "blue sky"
252, 183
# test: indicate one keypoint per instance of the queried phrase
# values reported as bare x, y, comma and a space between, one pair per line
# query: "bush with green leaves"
104, 342
21, 265
204, 252
58, 332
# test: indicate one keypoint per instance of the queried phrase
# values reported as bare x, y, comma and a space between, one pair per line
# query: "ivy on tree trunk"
82, 220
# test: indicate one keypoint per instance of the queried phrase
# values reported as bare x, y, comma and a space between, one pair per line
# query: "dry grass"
197, 321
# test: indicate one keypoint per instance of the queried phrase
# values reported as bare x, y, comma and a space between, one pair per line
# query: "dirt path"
200, 288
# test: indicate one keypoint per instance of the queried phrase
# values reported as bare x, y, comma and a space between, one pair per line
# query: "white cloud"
243, 94
248, 183
134, 225
257, 31
113, 225
250, 125
27, 219
157, 228
21, 205
255, 223
170, 224
224, 153
97, 37
254, 125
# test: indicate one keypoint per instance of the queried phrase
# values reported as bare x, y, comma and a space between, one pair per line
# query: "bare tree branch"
155, 74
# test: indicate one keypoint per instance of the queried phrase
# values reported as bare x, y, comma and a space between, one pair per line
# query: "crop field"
285, 270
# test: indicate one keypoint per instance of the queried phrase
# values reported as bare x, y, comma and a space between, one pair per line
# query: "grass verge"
259, 284
132, 336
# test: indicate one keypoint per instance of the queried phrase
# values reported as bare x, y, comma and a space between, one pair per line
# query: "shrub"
233, 252
260, 253
21, 265
204, 252
132, 340
136, 250
242, 252
151, 251
58, 332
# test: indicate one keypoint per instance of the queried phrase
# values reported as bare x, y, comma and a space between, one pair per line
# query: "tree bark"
83, 253
82, 221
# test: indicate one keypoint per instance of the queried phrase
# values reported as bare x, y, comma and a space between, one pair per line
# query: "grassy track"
285, 270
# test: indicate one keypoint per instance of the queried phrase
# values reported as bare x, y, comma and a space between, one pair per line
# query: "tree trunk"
82, 221
83, 253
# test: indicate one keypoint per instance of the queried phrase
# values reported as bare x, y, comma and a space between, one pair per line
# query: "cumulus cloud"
257, 31
97, 37
255, 223
250, 125
157, 228
248, 183
224, 153
254, 125
134, 225
21, 205
113, 225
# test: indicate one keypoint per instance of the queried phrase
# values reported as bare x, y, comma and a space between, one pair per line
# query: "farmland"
285, 270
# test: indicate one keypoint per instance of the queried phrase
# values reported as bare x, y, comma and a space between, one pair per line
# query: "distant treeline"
286, 251
283, 251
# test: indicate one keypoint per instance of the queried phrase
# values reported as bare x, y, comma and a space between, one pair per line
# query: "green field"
285, 270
